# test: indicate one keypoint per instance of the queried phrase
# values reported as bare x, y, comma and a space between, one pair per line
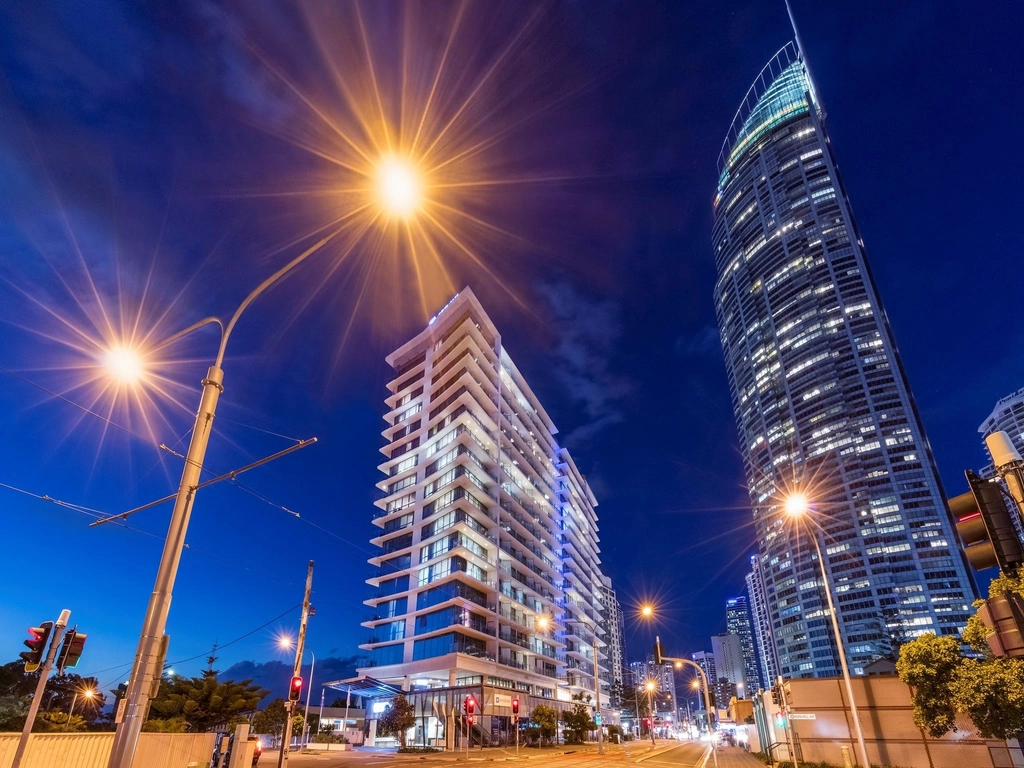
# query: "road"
687, 754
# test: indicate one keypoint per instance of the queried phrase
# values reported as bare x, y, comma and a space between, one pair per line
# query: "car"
259, 748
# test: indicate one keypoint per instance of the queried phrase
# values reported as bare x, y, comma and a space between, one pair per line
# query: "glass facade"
820, 398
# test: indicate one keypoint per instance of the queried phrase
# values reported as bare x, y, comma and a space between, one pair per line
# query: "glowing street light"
123, 364
695, 685
542, 622
647, 610
399, 187
797, 507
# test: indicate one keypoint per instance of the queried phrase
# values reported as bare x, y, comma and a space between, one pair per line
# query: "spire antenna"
812, 91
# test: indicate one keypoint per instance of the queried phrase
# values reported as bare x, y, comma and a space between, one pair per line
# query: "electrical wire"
69, 401
201, 655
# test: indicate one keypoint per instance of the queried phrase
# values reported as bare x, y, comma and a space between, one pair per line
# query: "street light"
647, 610
89, 693
399, 187
151, 638
798, 507
123, 364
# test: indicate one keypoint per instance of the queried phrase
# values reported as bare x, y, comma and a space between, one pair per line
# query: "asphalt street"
688, 754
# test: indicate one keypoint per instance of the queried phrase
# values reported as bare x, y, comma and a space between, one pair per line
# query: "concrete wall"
887, 719
91, 750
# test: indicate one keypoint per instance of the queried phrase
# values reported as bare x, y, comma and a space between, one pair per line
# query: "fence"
92, 750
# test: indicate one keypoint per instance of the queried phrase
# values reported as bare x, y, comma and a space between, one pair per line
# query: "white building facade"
488, 572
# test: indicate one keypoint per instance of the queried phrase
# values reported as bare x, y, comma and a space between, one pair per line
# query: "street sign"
597, 719
802, 716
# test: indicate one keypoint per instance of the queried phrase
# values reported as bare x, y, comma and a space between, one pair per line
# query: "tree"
13, 711
55, 720
397, 719
271, 719
546, 720
578, 720
206, 703
944, 682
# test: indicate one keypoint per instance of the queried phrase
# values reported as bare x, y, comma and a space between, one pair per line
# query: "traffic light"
658, 654
70, 650
36, 645
470, 705
295, 689
986, 528
780, 720
776, 699
515, 707
1004, 615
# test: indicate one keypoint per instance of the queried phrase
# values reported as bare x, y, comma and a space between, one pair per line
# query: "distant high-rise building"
488, 568
821, 401
762, 624
737, 622
706, 661
616, 637
728, 652
1008, 417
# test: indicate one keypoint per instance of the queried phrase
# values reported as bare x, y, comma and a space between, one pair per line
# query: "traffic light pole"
37, 698
300, 646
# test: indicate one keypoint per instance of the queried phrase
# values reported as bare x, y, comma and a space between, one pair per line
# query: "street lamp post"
146, 667
797, 507
87, 694
650, 706
309, 690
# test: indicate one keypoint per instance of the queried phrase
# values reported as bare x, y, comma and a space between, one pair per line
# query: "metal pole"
650, 706
37, 697
300, 645
309, 690
789, 729
348, 700
147, 655
597, 703
71, 711
146, 665
320, 718
862, 747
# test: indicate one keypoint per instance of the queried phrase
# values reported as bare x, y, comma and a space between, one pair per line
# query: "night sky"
143, 153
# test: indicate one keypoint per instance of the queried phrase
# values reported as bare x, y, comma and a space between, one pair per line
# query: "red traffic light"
295, 689
515, 706
470, 719
470, 705
36, 645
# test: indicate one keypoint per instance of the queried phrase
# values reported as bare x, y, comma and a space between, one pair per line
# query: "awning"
367, 687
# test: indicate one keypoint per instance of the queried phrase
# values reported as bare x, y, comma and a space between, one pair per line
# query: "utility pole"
300, 644
44, 674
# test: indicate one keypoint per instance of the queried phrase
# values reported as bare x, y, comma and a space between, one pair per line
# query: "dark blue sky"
140, 142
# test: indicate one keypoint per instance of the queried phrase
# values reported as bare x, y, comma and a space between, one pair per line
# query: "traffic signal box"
38, 637
515, 709
985, 527
470, 705
989, 539
70, 650
295, 688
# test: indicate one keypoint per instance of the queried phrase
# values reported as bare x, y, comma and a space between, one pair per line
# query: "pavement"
667, 754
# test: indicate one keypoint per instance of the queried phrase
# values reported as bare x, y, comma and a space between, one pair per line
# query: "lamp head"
399, 187
647, 610
123, 364
796, 505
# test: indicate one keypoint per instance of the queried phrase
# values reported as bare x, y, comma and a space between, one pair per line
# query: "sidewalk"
734, 757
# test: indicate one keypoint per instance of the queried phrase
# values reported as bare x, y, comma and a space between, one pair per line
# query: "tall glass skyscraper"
821, 401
